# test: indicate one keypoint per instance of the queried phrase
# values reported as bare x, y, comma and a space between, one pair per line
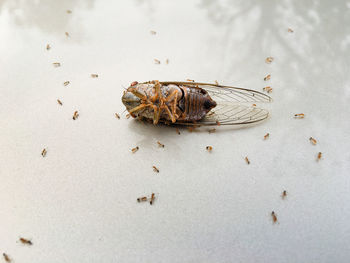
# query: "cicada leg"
172, 117
140, 107
162, 105
173, 104
157, 92
138, 94
156, 111
156, 115
154, 98
157, 87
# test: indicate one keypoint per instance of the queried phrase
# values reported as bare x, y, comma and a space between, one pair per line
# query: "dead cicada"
192, 103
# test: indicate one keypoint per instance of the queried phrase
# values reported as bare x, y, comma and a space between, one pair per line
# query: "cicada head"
130, 99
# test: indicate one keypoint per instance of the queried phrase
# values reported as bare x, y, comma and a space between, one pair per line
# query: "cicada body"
192, 103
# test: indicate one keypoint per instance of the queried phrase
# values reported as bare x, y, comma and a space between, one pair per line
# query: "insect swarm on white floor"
178, 131
268, 77
313, 141
69, 11
153, 32
268, 89
67, 34
290, 30
94, 75
134, 150
56, 64
117, 116
156, 61
247, 160
284, 194
75, 115
268, 60
266, 136
167, 61
155, 169
191, 80
48, 47
216, 82
299, 116
25, 241
142, 199
319, 156
274, 217
152, 199
160, 144
66, 83
59, 102
209, 148
43, 152
6, 257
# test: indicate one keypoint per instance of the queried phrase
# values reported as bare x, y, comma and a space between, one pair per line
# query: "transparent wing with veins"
231, 108
228, 114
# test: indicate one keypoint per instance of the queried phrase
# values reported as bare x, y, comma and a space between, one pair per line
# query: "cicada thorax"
148, 89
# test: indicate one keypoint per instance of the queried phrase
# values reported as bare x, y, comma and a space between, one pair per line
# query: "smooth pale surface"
78, 204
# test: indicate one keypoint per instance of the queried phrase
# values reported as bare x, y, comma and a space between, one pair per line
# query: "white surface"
78, 204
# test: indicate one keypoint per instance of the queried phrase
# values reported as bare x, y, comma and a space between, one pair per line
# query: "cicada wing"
231, 114
230, 109
229, 94
235, 95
